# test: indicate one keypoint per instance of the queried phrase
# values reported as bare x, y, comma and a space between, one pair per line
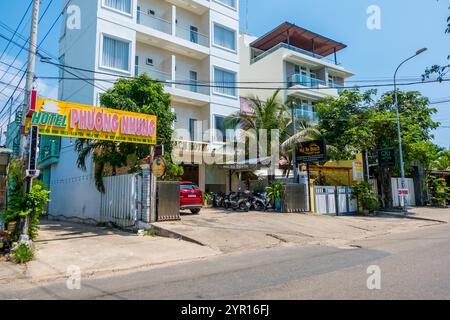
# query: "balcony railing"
290, 47
338, 86
192, 36
300, 79
307, 115
153, 22
154, 73
192, 86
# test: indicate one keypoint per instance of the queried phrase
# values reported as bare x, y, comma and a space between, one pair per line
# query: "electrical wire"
17, 29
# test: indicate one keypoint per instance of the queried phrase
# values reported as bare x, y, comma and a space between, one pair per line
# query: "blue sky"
406, 25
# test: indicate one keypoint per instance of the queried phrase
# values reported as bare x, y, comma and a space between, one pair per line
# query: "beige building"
300, 62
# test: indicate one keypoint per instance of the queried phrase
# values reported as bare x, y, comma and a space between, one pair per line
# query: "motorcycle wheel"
260, 206
243, 207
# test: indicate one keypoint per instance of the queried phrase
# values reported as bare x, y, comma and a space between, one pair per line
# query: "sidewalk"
96, 251
235, 231
427, 213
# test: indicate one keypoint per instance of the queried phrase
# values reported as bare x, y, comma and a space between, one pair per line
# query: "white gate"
325, 200
397, 201
334, 201
120, 202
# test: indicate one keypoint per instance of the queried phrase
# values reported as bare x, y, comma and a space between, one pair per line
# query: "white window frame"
130, 15
214, 37
101, 65
215, 83
226, 5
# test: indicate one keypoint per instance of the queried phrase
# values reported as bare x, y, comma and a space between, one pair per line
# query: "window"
193, 79
219, 126
193, 129
225, 82
230, 3
120, 5
136, 66
224, 37
194, 34
115, 53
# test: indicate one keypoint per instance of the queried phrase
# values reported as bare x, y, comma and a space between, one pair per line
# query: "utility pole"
400, 146
28, 88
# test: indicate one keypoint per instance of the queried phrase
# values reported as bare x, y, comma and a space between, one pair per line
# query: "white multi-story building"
295, 60
185, 43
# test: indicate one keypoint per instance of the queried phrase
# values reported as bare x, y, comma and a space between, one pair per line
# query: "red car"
191, 197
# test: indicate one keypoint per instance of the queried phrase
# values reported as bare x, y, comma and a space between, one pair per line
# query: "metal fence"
295, 198
168, 201
120, 202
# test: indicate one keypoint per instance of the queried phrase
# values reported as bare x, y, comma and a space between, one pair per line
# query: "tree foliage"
141, 95
358, 121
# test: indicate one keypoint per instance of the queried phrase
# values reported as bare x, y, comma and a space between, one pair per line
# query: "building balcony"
307, 115
317, 88
182, 90
173, 31
300, 79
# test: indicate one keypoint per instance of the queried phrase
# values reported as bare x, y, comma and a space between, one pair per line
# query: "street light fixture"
402, 165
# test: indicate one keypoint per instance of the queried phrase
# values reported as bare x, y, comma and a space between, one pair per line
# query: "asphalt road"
413, 266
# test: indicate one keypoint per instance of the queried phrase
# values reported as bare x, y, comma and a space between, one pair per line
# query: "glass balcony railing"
307, 115
153, 22
192, 36
300, 79
162, 76
192, 86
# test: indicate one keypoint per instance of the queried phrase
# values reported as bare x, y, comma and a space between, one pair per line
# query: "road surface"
414, 265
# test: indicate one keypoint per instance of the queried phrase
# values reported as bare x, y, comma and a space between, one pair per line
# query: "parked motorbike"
218, 199
262, 202
237, 201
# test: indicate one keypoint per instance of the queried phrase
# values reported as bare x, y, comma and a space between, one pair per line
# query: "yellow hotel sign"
66, 119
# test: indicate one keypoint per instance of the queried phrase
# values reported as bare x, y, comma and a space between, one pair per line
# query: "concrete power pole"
28, 88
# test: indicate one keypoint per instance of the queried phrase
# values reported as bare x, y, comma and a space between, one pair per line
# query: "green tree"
141, 95
356, 122
269, 115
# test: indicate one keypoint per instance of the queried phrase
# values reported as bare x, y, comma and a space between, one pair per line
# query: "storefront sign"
386, 158
159, 167
311, 151
66, 119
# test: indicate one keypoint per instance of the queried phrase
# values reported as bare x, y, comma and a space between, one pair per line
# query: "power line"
15, 31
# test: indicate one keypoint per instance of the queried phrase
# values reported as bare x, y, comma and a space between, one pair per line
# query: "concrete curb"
174, 235
397, 215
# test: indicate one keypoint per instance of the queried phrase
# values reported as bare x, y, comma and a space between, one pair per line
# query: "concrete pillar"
202, 177
145, 214
174, 21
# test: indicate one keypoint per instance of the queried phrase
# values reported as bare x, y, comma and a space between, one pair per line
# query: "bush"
22, 254
367, 199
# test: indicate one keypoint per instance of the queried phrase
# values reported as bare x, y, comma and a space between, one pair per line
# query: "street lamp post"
402, 164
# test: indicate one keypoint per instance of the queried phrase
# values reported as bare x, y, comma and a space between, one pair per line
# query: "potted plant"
207, 200
275, 193
367, 199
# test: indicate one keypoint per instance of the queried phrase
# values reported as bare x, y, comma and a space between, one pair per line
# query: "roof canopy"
298, 37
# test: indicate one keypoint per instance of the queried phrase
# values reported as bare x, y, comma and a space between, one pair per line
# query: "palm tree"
104, 153
269, 115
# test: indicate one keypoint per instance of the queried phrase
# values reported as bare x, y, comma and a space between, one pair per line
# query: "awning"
298, 37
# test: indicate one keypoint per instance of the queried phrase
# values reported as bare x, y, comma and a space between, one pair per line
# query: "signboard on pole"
387, 158
66, 119
310, 151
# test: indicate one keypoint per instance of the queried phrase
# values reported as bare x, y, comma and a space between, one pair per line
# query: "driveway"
235, 232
